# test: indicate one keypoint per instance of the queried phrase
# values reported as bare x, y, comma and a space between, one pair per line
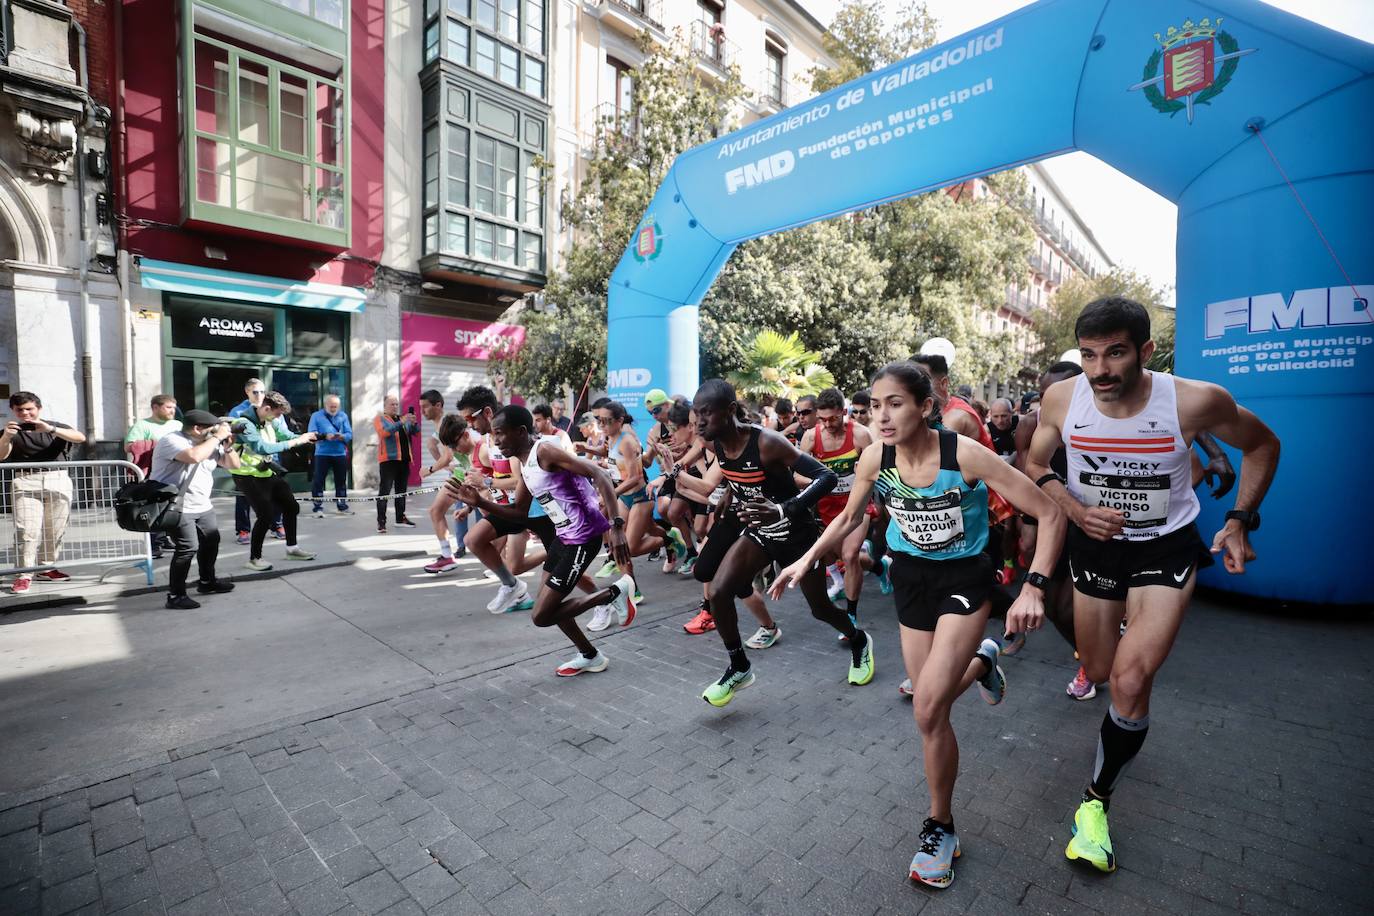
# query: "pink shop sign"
431, 335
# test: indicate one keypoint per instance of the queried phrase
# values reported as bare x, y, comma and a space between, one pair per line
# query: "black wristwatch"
617, 523
1248, 519
1039, 580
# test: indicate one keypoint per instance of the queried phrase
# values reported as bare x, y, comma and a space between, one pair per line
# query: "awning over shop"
228, 284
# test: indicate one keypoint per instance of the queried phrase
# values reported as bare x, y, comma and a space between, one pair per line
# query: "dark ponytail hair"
680, 414
910, 376
618, 412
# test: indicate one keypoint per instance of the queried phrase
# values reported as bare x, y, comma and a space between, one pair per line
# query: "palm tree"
779, 366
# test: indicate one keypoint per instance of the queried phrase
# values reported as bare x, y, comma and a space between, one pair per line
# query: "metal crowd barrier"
61, 515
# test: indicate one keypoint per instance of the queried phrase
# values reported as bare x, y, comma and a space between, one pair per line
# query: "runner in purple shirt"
567, 487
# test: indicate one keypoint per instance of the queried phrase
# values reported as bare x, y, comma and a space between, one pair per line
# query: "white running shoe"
580, 664
624, 603
296, 553
508, 596
258, 565
905, 688
764, 638
601, 618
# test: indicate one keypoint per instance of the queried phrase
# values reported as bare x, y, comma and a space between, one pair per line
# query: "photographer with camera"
262, 436
41, 499
333, 434
187, 459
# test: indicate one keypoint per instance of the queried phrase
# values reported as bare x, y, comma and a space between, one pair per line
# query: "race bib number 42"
931, 524
1144, 501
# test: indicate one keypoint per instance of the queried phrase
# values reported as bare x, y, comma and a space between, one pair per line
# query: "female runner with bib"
935, 486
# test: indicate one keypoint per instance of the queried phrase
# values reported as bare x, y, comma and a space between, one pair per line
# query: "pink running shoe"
442, 565
1080, 688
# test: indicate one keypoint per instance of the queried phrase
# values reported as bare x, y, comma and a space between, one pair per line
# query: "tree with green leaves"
673, 109
779, 366
950, 255
1054, 324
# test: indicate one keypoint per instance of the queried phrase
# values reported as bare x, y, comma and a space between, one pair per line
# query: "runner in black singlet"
764, 518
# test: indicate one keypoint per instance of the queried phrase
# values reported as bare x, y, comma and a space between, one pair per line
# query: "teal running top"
947, 520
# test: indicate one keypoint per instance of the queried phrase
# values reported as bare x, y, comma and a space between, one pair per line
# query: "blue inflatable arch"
1182, 96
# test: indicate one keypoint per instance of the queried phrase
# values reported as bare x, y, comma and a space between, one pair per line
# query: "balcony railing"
709, 44
1019, 302
649, 11
775, 92
605, 125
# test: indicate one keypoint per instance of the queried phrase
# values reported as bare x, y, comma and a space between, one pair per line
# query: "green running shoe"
685, 568
723, 691
610, 569
862, 672
1090, 840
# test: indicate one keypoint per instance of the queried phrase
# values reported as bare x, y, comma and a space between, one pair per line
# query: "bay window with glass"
483, 187
485, 132
501, 39
266, 137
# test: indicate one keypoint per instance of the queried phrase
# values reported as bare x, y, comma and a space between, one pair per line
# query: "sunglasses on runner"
806, 412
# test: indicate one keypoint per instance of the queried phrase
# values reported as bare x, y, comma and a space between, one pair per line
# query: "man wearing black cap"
187, 460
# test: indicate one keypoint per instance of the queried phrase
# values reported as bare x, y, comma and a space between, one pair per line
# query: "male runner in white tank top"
1133, 546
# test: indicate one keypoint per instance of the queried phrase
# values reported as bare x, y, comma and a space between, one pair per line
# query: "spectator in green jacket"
262, 436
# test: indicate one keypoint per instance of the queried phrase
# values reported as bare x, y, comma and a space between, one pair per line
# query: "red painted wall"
94, 16
151, 156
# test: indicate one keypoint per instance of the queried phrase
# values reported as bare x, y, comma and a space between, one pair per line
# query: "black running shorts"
925, 590
1109, 569
566, 563
728, 529
540, 526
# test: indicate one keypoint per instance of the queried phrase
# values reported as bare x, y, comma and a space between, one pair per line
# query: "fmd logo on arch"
628, 378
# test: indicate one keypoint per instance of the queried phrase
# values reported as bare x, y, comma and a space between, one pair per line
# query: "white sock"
445, 550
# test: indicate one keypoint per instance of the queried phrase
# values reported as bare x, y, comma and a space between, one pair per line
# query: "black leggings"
395, 475
268, 496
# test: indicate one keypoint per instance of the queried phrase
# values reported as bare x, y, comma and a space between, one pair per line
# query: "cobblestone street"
512, 791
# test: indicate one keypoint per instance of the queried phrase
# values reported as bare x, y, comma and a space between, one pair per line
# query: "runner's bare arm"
650, 453
700, 488
1097, 522
1025, 429
631, 470
865, 475
1027, 612
1024, 495
556, 459
515, 511
776, 450
1218, 465
442, 455
1218, 413
961, 422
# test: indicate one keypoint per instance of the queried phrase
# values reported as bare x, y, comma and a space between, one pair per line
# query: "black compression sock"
738, 660
857, 642
594, 654
1119, 740
691, 551
852, 606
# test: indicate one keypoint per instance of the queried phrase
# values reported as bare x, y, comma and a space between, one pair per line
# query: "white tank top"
1139, 465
